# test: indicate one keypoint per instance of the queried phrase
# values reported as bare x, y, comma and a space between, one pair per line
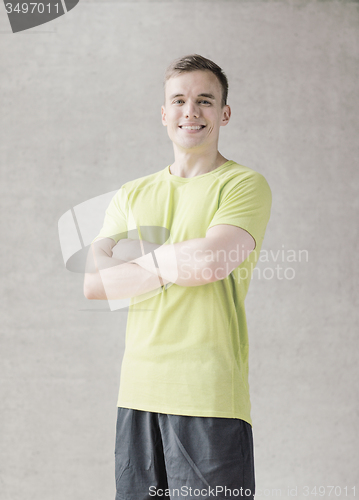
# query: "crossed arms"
122, 270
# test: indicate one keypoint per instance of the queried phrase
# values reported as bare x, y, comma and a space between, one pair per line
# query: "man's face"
193, 111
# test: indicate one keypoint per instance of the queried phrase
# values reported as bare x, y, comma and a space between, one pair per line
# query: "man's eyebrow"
209, 96
176, 95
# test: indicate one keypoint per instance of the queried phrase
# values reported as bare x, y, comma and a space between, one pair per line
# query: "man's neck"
191, 165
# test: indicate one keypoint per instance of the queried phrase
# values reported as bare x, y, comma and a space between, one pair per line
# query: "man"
183, 425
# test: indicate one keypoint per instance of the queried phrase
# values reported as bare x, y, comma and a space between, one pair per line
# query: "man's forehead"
203, 82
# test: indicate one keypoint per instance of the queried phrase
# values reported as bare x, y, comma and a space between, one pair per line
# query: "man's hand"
131, 249
127, 249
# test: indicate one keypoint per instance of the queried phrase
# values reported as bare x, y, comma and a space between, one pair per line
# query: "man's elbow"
216, 271
220, 270
211, 272
90, 287
88, 293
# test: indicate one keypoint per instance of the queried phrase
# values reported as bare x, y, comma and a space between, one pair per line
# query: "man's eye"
177, 101
205, 102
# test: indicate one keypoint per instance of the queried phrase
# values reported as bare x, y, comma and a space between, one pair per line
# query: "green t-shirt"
187, 347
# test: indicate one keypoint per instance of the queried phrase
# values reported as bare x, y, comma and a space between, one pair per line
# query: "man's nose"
191, 109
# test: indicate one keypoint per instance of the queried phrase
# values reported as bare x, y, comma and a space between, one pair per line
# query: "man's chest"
184, 211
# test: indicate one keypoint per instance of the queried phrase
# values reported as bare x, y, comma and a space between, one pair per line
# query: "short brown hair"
195, 62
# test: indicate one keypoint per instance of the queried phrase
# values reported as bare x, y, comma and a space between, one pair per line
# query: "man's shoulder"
237, 173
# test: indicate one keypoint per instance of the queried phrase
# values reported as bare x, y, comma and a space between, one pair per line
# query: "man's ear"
226, 114
163, 113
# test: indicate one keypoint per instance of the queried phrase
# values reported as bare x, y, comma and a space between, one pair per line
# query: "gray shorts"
176, 456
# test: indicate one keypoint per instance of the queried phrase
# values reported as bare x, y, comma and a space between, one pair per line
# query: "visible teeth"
192, 128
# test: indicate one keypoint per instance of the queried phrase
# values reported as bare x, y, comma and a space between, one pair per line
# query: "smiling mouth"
192, 127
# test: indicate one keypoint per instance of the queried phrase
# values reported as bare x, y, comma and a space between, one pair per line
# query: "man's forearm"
117, 279
187, 263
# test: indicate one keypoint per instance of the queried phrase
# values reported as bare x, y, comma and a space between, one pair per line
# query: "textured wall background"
80, 115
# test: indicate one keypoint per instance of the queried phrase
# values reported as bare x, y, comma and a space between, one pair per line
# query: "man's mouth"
192, 127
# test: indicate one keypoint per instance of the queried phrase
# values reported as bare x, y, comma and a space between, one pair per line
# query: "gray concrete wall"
80, 115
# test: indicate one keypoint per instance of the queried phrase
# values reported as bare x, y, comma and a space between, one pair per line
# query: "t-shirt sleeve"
246, 204
115, 222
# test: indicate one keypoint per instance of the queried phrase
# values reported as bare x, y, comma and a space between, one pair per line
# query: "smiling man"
193, 119
183, 426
